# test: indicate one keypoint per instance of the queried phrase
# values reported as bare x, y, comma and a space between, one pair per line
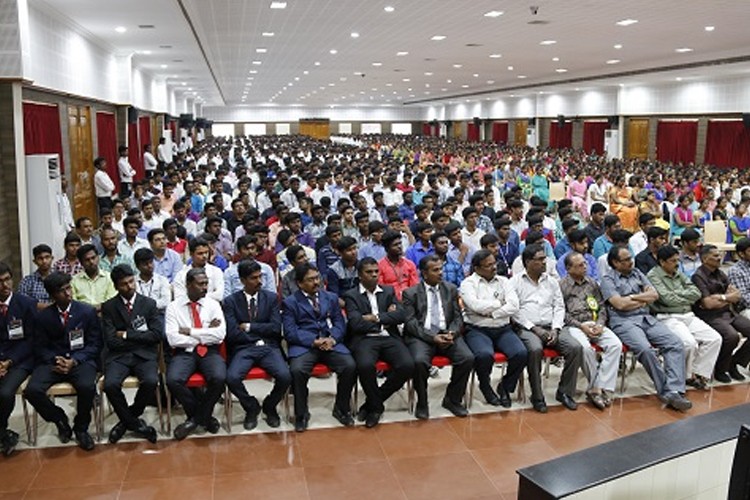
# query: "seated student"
639, 242
67, 345
536, 223
128, 245
17, 318
374, 314
246, 251
132, 331
620, 238
148, 284
199, 255
453, 272
32, 285
579, 243
535, 238
314, 329
690, 259
91, 286
490, 242
563, 246
254, 338
297, 256
647, 259
342, 274
327, 255
69, 263
423, 246
195, 327
373, 247
603, 244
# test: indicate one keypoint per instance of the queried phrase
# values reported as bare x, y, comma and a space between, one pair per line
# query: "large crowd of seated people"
287, 253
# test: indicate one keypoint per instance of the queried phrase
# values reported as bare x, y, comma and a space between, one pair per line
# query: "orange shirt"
400, 276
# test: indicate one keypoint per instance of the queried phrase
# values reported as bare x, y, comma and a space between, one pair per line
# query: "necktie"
434, 310
3, 310
197, 323
64, 315
129, 306
251, 309
315, 305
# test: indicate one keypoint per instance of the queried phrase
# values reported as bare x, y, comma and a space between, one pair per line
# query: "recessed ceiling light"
494, 13
402, 53
548, 42
253, 72
679, 78
190, 88
406, 79
278, 5
510, 68
331, 84
428, 73
561, 70
618, 46
250, 78
121, 29
555, 59
257, 63
164, 66
261, 50
333, 51
464, 86
317, 63
438, 38
476, 75
613, 61
182, 83
444, 90
146, 52
377, 64
683, 50
626, 22
305, 72
709, 28
268, 33
389, 85
521, 76
458, 66
449, 81
496, 56
354, 34
490, 82
388, 8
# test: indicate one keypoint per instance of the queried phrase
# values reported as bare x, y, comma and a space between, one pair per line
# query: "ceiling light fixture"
495, 56
561, 70
402, 53
626, 22
278, 5
164, 66
257, 63
253, 72
522, 76
464, 86
618, 46
428, 73
709, 28
354, 34
268, 33
317, 63
510, 68
494, 13
548, 42
388, 8
476, 75
457, 66
490, 82
146, 52
377, 64
438, 38
679, 79
261, 50
333, 51
406, 79
305, 72
613, 61
555, 59
121, 29
683, 50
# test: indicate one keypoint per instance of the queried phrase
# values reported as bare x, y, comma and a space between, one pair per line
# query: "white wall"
292, 114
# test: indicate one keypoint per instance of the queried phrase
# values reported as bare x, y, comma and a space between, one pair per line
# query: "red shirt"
400, 276
178, 246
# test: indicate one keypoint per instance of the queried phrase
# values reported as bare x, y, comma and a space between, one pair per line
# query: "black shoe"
597, 400
300, 423
84, 440
490, 397
344, 417
9, 442
539, 406
722, 377
566, 400
362, 413
213, 425
503, 396
251, 420
64, 431
422, 411
272, 417
457, 409
185, 429
698, 382
146, 432
735, 373
677, 401
117, 432
372, 419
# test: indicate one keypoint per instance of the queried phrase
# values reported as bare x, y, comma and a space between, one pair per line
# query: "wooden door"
520, 128
638, 138
82, 162
317, 129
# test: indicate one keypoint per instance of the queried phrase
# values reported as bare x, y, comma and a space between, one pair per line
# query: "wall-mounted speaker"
132, 114
532, 122
746, 119
560, 121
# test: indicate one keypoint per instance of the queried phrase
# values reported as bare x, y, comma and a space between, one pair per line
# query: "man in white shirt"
490, 302
541, 317
471, 234
149, 284
320, 190
103, 185
163, 154
149, 162
126, 171
639, 242
199, 253
195, 327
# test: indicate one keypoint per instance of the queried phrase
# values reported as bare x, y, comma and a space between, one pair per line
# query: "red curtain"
134, 150
472, 132
727, 144
500, 132
173, 128
676, 141
593, 136
426, 129
106, 132
560, 137
41, 130
144, 137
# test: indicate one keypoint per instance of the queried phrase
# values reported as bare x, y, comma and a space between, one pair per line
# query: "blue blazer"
52, 339
267, 324
20, 351
302, 326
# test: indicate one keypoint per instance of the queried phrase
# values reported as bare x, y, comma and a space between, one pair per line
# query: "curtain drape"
106, 132
500, 132
41, 130
560, 137
472, 132
727, 144
144, 137
427, 129
173, 128
676, 141
593, 136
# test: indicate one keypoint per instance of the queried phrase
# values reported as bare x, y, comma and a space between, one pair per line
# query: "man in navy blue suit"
67, 342
17, 316
314, 328
254, 338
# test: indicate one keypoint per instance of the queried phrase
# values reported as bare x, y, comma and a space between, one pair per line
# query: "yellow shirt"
93, 291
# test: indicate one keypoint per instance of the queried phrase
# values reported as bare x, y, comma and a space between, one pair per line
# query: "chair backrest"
715, 231
557, 191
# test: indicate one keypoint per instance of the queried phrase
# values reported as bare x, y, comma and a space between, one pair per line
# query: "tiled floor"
447, 458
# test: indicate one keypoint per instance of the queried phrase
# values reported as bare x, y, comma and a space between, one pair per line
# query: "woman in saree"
652, 206
682, 218
577, 194
540, 185
621, 204
739, 224
703, 213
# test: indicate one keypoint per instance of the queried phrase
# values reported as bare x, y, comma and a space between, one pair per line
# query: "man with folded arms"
628, 294
490, 302
195, 327
586, 319
254, 338
541, 317
132, 333
433, 326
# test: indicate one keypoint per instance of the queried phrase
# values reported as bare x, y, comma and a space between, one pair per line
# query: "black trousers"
103, 202
342, 365
116, 371
459, 354
213, 368
570, 350
82, 377
9, 385
272, 361
393, 351
730, 327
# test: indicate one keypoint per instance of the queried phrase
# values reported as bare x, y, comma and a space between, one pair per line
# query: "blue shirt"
326, 258
233, 284
562, 248
406, 212
453, 272
592, 270
169, 265
417, 252
371, 249
602, 245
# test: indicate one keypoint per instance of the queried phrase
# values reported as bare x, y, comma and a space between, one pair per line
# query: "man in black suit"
132, 332
374, 314
17, 316
67, 343
434, 327
253, 338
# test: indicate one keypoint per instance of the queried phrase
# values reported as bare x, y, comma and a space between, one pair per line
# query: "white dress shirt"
126, 171
103, 185
179, 315
158, 288
372, 297
488, 304
540, 304
215, 283
431, 305
149, 162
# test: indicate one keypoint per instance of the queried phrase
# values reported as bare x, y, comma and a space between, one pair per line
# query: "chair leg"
26, 419
410, 395
472, 381
159, 409
228, 403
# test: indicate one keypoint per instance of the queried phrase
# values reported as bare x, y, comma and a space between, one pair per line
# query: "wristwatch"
723, 297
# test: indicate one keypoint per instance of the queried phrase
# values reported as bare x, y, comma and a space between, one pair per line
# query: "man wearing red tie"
195, 327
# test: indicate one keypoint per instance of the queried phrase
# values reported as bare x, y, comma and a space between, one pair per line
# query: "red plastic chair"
502, 360
437, 362
255, 373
